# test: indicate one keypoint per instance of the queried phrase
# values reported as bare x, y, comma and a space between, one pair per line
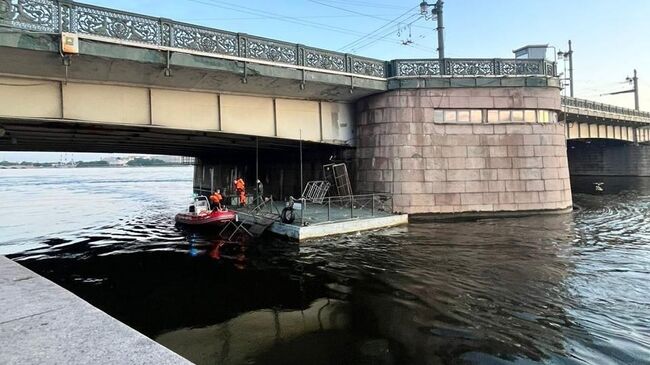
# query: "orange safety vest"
216, 198
239, 184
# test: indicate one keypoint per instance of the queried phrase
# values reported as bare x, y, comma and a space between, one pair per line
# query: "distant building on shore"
122, 161
118, 161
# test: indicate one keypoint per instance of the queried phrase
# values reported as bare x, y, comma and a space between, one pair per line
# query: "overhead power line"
374, 32
380, 34
352, 11
365, 4
266, 17
365, 42
270, 15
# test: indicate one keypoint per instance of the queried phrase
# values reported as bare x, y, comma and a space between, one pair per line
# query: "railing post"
351, 208
329, 203
64, 22
166, 32
348, 63
5, 9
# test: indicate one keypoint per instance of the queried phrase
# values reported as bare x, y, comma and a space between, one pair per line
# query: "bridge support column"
465, 151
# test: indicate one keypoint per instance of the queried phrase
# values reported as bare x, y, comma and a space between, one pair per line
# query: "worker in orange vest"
240, 188
216, 199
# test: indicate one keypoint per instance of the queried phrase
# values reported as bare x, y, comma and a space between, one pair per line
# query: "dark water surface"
563, 289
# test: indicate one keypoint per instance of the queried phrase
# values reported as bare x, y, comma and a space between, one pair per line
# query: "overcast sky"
610, 38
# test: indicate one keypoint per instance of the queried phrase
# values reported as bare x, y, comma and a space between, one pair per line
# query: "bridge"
452, 136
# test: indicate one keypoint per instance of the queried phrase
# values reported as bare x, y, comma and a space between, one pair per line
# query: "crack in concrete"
30, 315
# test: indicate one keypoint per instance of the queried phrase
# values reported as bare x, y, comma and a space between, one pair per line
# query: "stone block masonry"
434, 166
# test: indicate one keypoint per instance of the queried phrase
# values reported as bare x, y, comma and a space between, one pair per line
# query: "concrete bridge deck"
42, 323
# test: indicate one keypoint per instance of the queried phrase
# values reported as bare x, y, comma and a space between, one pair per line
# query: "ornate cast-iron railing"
473, 67
66, 16
608, 108
55, 16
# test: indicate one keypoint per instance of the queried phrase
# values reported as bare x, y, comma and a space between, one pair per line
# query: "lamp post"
568, 55
436, 14
634, 80
635, 83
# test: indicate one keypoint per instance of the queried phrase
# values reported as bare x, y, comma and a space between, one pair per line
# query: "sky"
610, 38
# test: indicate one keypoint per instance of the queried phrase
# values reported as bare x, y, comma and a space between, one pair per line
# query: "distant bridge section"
586, 119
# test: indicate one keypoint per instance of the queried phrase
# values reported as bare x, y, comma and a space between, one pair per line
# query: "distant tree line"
136, 162
25, 163
147, 162
92, 164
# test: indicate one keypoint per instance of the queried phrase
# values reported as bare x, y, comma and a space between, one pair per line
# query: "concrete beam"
198, 111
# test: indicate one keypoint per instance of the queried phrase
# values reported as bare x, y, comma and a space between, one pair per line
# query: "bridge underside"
608, 157
66, 136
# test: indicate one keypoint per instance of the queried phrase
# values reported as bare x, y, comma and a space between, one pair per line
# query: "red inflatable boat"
199, 214
215, 217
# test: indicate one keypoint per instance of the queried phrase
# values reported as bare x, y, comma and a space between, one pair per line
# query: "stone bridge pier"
466, 151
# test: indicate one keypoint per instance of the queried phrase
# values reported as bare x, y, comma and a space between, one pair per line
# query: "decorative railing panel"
366, 66
203, 40
417, 67
111, 24
33, 15
521, 67
267, 50
323, 59
607, 108
470, 67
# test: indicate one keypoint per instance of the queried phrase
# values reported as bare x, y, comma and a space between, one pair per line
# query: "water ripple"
569, 289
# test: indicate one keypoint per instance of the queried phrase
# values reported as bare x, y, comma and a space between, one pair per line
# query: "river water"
560, 289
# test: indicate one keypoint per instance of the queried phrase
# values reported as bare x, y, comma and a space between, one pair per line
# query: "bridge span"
452, 136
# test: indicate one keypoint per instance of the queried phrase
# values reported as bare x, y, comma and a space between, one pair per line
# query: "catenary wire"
370, 34
270, 15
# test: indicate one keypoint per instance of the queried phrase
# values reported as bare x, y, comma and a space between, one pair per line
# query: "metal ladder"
254, 222
337, 173
315, 191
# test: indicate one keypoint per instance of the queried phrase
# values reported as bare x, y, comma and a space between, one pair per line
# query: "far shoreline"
18, 167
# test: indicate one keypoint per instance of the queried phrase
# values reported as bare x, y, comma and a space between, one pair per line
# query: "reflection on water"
263, 335
568, 288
